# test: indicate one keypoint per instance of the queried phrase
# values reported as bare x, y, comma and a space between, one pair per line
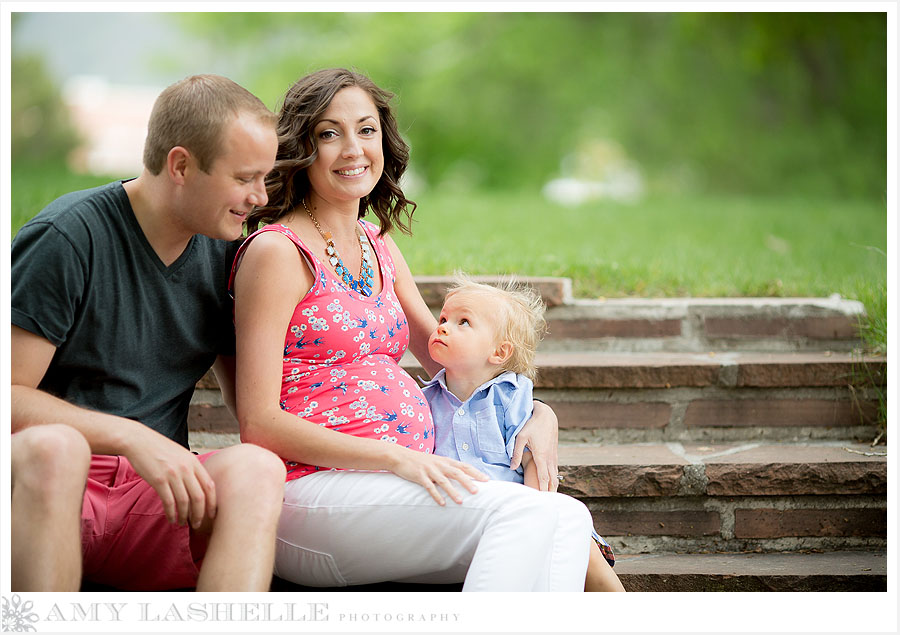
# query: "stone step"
705, 324
809, 571
651, 498
553, 291
682, 324
804, 572
633, 397
731, 497
659, 397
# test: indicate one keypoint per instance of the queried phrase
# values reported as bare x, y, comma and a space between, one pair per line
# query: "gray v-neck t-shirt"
133, 336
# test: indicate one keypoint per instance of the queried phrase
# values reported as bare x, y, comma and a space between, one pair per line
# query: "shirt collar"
504, 377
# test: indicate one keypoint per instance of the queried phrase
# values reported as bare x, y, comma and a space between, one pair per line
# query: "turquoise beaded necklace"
363, 284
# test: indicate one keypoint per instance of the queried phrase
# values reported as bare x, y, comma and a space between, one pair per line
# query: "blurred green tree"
41, 129
757, 103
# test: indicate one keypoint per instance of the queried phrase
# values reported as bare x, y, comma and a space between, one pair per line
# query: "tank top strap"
281, 229
388, 271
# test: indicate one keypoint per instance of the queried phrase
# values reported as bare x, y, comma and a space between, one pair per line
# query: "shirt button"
465, 446
461, 411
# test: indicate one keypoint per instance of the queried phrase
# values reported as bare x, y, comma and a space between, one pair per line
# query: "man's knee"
55, 452
50, 461
248, 470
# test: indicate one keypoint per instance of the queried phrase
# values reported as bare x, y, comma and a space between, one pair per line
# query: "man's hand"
541, 435
187, 491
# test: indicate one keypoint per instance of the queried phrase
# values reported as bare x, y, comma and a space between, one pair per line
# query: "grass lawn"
690, 246
687, 246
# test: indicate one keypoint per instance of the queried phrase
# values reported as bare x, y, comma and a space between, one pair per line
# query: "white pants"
341, 528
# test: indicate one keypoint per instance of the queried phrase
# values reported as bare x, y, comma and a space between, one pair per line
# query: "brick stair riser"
683, 324
708, 397
734, 507
709, 524
703, 505
570, 330
762, 583
712, 413
635, 416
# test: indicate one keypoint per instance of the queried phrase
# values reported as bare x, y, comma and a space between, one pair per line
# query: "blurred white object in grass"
111, 120
599, 169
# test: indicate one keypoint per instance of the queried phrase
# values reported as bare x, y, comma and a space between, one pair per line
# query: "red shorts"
126, 540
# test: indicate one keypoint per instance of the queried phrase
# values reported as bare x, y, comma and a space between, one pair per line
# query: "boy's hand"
540, 434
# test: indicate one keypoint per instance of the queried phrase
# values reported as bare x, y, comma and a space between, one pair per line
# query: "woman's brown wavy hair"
304, 104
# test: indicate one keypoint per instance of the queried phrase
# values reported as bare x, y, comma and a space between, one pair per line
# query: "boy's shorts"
126, 540
605, 548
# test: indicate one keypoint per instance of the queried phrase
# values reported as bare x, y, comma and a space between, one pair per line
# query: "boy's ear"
502, 353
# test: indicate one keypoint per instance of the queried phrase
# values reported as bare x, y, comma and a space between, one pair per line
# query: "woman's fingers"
429, 485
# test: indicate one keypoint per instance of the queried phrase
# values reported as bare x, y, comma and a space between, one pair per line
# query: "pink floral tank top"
341, 358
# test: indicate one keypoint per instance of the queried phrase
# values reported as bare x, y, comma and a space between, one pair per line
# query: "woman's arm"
541, 435
271, 280
421, 320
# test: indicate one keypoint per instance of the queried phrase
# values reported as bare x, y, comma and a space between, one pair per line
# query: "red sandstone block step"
667, 572
680, 393
553, 291
682, 323
828, 571
708, 322
732, 369
731, 497
667, 370
726, 469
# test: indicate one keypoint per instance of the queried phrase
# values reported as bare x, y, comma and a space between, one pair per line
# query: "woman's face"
350, 158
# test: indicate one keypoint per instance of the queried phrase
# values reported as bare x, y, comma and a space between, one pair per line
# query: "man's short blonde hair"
521, 321
193, 114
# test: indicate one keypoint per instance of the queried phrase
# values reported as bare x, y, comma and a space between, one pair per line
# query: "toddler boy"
486, 340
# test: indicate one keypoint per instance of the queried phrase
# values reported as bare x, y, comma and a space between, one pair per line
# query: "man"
119, 306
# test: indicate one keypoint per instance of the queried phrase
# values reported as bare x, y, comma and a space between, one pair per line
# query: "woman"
325, 307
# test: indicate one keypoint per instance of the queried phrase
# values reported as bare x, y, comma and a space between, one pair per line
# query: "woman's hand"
431, 471
541, 435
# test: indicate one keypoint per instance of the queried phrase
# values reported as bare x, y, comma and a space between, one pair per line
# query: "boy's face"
466, 335
218, 202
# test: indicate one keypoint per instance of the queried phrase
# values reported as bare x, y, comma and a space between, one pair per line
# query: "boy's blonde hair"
521, 323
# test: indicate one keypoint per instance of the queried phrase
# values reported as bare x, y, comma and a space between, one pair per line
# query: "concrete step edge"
826, 571
588, 369
674, 470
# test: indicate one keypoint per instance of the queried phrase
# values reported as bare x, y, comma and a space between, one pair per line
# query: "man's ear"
177, 162
502, 353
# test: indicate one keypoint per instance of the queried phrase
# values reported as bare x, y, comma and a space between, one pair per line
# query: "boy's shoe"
605, 549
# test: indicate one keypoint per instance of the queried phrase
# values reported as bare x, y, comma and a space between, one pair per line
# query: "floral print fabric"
341, 358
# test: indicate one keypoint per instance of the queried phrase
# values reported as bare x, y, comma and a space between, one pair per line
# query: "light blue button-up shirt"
482, 430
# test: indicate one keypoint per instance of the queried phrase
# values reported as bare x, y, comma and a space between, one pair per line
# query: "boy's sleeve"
518, 411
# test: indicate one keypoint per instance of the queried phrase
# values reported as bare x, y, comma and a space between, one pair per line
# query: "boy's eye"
245, 179
442, 320
464, 321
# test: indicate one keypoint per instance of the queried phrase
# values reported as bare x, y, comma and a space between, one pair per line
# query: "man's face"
217, 202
